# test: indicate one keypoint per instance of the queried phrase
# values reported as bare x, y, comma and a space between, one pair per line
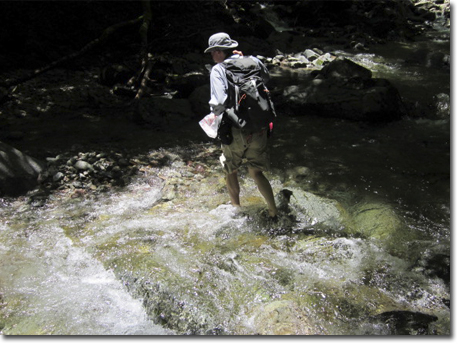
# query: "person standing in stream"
244, 144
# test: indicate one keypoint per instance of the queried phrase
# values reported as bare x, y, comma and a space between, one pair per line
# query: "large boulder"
344, 69
18, 172
375, 220
370, 219
343, 89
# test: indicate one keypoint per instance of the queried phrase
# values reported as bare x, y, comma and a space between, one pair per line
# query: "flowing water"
168, 255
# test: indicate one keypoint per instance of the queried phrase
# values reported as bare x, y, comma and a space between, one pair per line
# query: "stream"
167, 255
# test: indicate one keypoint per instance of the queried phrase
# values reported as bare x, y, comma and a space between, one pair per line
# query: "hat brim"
222, 47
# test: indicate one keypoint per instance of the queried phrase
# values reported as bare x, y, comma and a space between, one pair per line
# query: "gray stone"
58, 176
323, 59
304, 59
310, 54
82, 165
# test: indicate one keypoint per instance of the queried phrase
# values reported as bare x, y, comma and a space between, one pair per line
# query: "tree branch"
147, 64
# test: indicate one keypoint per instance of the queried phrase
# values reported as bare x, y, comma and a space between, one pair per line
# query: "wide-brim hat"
220, 41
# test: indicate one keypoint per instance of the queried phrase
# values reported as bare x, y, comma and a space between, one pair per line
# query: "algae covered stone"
375, 220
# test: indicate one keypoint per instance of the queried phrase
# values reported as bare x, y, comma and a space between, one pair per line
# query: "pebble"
82, 165
58, 176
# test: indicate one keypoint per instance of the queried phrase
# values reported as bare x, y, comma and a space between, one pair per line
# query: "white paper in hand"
210, 124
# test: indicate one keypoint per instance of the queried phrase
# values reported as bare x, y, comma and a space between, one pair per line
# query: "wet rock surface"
142, 192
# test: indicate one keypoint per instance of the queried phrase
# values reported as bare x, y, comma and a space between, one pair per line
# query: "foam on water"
64, 290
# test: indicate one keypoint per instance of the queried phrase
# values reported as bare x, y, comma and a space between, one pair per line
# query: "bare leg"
265, 189
232, 183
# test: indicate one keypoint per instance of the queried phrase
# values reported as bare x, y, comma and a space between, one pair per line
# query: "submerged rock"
312, 209
283, 317
375, 220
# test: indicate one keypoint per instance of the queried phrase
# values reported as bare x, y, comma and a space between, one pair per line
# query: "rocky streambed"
129, 230
336, 263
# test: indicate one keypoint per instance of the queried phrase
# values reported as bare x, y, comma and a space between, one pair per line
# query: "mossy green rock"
375, 220
315, 210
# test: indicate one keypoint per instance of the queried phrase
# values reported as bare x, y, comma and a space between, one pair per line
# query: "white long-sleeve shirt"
219, 84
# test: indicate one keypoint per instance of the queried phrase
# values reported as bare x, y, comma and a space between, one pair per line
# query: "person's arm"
218, 90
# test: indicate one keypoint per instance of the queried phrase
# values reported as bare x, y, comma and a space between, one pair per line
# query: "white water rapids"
165, 255
61, 289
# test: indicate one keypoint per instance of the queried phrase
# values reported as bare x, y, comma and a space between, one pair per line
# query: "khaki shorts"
251, 147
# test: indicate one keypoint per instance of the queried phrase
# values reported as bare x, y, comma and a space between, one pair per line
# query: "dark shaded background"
38, 32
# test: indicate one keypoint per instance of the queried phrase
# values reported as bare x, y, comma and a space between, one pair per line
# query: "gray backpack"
249, 102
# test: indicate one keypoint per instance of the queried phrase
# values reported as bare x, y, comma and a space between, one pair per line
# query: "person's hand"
236, 52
